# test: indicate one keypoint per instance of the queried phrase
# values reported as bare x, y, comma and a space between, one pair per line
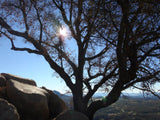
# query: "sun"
63, 32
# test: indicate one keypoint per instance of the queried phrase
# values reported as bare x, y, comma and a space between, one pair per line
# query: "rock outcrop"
8, 111
71, 115
32, 102
2, 81
55, 103
3, 87
19, 79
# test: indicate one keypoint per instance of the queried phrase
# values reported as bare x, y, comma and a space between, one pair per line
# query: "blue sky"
29, 66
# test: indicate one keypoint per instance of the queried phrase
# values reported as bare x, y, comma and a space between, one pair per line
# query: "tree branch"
99, 84
22, 3
69, 23
26, 49
98, 55
112, 97
148, 53
21, 49
43, 52
63, 55
142, 79
101, 35
148, 90
40, 22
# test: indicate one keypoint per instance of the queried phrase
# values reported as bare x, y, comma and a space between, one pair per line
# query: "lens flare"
63, 32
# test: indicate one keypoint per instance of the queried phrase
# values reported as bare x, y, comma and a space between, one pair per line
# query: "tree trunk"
112, 97
79, 104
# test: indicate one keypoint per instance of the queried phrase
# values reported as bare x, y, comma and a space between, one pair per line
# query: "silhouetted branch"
148, 90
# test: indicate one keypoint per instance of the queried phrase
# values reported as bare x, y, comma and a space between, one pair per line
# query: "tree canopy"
116, 43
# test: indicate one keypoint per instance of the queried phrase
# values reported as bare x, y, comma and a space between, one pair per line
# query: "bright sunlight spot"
63, 32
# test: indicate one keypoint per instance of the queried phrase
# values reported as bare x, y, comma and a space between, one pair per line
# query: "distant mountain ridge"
67, 99
101, 95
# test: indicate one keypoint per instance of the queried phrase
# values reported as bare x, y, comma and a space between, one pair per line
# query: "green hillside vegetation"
131, 109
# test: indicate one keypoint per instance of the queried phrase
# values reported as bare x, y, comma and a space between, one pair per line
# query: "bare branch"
43, 52
71, 10
60, 7
105, 78
142, 79
100, 83
23, 9
98, 55
101, 35
148, 53
26, 49
64, 55
148, 90
88, 85
40, 22
21, 49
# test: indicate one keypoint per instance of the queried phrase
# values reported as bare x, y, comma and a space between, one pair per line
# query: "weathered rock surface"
55, 103
31, 101
8, 111
3, 93
71, 115
19, 79
2, 81
3, 87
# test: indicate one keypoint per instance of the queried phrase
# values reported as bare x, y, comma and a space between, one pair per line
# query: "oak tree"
116, 44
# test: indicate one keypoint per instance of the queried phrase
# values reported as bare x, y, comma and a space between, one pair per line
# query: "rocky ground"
21, 99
